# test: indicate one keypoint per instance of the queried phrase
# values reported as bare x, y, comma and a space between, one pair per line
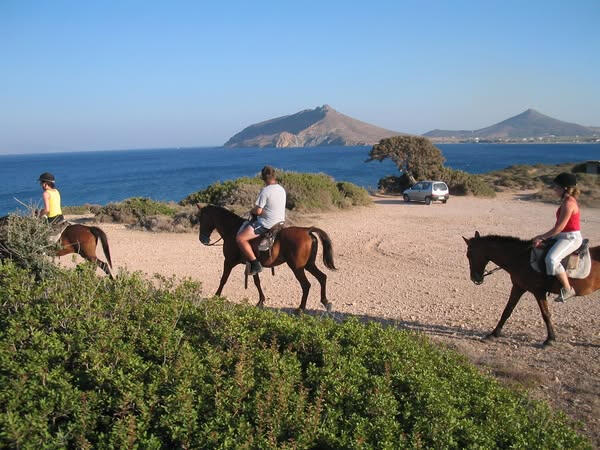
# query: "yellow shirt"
54, 203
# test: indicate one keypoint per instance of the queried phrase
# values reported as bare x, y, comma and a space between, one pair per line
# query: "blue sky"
140, 74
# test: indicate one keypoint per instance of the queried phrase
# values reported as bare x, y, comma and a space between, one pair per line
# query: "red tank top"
572, 224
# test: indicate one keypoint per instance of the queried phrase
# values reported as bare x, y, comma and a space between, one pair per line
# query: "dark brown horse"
296, 246
80, 239
512, 255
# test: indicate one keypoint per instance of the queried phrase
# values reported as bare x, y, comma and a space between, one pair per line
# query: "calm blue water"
172, 174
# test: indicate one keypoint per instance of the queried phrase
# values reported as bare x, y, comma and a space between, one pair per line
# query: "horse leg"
261, 295
305, 284
105, 268
543, 304
227, 266
322, 279
88, 251
515, 294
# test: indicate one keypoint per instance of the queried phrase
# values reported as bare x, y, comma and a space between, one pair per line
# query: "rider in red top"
567, 232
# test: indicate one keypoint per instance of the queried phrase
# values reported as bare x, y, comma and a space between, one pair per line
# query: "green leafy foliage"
27, 240
463, 183
223, 193
413, 154
88, 362
305, 192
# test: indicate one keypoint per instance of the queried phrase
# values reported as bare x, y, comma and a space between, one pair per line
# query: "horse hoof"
548, 343
328, 307
490, 336
299, 311
260, 304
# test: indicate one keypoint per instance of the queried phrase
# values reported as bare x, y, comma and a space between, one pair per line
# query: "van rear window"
439, 186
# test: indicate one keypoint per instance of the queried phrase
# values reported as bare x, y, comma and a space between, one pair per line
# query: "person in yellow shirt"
51, 197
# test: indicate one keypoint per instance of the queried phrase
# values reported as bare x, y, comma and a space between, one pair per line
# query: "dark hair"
267, 173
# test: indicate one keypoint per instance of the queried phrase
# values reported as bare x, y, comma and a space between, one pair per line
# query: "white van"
427, 191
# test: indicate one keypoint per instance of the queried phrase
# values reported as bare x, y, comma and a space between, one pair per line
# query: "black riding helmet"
46, 177
565, 180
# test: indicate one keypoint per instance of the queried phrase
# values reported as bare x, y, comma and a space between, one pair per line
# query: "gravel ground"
405, 264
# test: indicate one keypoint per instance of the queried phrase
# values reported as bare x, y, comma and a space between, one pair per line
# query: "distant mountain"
528, 124
310, 128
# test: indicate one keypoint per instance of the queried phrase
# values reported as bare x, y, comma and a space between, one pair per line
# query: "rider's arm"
565, 214
256, 211
46, 210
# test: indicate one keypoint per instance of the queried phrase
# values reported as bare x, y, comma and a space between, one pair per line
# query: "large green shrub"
88, 362
305, 192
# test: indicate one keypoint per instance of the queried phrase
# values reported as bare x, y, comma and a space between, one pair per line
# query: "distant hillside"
529, 124
310, 128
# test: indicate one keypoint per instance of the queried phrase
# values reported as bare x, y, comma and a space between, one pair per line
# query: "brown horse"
80, 239
296, 246
512, 255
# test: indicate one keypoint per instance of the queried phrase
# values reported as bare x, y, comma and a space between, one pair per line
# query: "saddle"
268, 239
577, 265
57, 230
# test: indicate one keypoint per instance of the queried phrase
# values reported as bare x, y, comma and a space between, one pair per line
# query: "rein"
210, 244
489, 272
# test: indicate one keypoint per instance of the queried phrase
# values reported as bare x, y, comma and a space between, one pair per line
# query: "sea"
170, 174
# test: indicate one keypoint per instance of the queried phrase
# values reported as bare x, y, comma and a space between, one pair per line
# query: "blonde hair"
573, 191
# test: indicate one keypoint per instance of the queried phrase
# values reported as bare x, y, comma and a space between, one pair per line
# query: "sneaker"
565, 294
255, 267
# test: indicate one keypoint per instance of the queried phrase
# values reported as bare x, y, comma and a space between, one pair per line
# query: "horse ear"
466, 240
477, 235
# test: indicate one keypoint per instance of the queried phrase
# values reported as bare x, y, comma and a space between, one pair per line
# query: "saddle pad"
57, 231
577, 265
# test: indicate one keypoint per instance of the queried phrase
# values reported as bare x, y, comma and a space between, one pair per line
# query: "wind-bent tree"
414, 155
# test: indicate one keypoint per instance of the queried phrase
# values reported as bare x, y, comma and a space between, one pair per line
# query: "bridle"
210, 244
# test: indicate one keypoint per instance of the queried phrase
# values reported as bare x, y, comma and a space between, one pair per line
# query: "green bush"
28, 241
305, 192
223, 193
136, 207
88, 362
357, 195
463, 183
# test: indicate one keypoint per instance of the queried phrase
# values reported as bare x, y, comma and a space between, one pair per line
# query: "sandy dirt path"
405, 264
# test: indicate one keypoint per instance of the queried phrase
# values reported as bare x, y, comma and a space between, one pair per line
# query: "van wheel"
444, 201
406, 199
428, 200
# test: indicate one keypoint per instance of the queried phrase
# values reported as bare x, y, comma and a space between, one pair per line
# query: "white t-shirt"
272, 201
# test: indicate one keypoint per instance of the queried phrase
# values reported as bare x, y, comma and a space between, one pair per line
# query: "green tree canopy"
414, 155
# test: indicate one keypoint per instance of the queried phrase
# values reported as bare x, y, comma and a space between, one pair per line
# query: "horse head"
477, 258
207, 223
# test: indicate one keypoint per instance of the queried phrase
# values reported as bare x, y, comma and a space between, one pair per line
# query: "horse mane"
506, 239
224, 210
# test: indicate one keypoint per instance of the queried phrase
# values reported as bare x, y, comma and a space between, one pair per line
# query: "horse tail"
327, 247
99, 234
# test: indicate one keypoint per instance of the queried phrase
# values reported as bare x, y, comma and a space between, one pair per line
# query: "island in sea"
529, 126
322, 126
